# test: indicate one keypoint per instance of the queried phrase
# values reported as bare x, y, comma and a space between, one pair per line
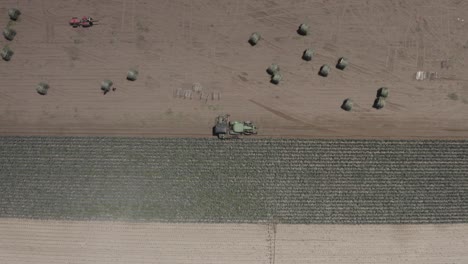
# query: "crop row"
204, 180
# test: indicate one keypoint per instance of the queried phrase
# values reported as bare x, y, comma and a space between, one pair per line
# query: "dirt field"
39, 242
177, 43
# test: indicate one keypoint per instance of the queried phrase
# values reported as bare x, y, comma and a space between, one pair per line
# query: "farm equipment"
83, 22
225, 129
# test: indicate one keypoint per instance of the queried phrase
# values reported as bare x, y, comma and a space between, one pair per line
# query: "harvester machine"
225, 129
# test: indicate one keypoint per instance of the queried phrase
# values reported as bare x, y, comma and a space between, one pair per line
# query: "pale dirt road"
31, 241
176, 43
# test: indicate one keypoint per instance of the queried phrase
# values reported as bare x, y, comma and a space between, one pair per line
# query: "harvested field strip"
259, 180
85, 242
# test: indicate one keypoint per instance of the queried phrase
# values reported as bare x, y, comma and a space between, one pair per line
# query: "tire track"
271, 231
93, 56
134, 5
303, 125
278, 113
122, 19
340, 17
4, 96
390, 59
421, 49
49, 36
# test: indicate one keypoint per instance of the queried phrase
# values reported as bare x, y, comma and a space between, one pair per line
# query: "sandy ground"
29, 241
177, 43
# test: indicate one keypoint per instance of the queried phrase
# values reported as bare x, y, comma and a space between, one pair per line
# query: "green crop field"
255, 180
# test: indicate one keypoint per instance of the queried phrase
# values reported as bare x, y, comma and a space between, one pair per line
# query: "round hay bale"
132, 75
276, 78
324, 70
382, 92
42, 88
106, 85
273, 69
379, 103
6, 53
303, 30
9, 33
254, 38
347, 105
308, 54
14, 13
342, 63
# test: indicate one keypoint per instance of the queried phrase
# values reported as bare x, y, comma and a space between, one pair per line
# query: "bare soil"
177, 43
30, 241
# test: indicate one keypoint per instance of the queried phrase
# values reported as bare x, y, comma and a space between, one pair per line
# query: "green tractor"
225, 129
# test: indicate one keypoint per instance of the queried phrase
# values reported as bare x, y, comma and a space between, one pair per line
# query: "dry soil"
176, 43
29, 241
